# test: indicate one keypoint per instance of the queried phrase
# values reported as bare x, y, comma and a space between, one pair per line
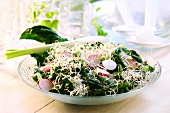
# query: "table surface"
17, 97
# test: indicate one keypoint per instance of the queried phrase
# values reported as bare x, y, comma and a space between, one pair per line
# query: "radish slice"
102, 72
109, 65
45, 84
67, 54
132, 62
45, 68
94, 59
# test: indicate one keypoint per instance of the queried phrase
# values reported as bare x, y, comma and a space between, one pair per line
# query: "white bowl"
26, 67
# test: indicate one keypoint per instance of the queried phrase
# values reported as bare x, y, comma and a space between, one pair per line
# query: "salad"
91, 69
85, 69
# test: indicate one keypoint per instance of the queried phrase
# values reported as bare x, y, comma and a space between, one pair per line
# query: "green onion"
11, 53
16, 53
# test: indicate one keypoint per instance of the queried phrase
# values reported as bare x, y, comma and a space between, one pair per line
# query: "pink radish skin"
103, 72
45, 84
94, 59
67, 54
132, 62
109, 65
45, 68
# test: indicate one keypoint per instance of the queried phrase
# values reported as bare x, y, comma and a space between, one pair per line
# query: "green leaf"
147, 67
40, 57
54, 24
35, 78
50, 24
78, 6
136, 56
43, 4
42, 34
101, 32
120, 69
50, 14
151, 69
98, 27
91, 1
97, 9
117, 58
46, 23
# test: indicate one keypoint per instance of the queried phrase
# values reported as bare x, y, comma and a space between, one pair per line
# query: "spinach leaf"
42, 34
116, 57
135, 56
40, 57
121, 49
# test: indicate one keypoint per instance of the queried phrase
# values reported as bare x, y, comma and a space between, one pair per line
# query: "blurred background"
18, 15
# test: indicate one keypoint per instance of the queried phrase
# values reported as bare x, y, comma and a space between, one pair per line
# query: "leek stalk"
20, 52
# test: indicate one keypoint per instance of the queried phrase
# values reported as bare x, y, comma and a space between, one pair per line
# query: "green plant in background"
78, 6
91, 1
37, 10
50, 22
98, 27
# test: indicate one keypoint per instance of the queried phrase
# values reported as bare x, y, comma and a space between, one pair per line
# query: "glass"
73, 21
107, 14
159, 18
38, 12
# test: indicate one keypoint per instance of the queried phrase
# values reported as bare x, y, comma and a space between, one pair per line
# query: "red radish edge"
45, 84
132, 62
94, 59
103, 72
67, 54
45, 68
